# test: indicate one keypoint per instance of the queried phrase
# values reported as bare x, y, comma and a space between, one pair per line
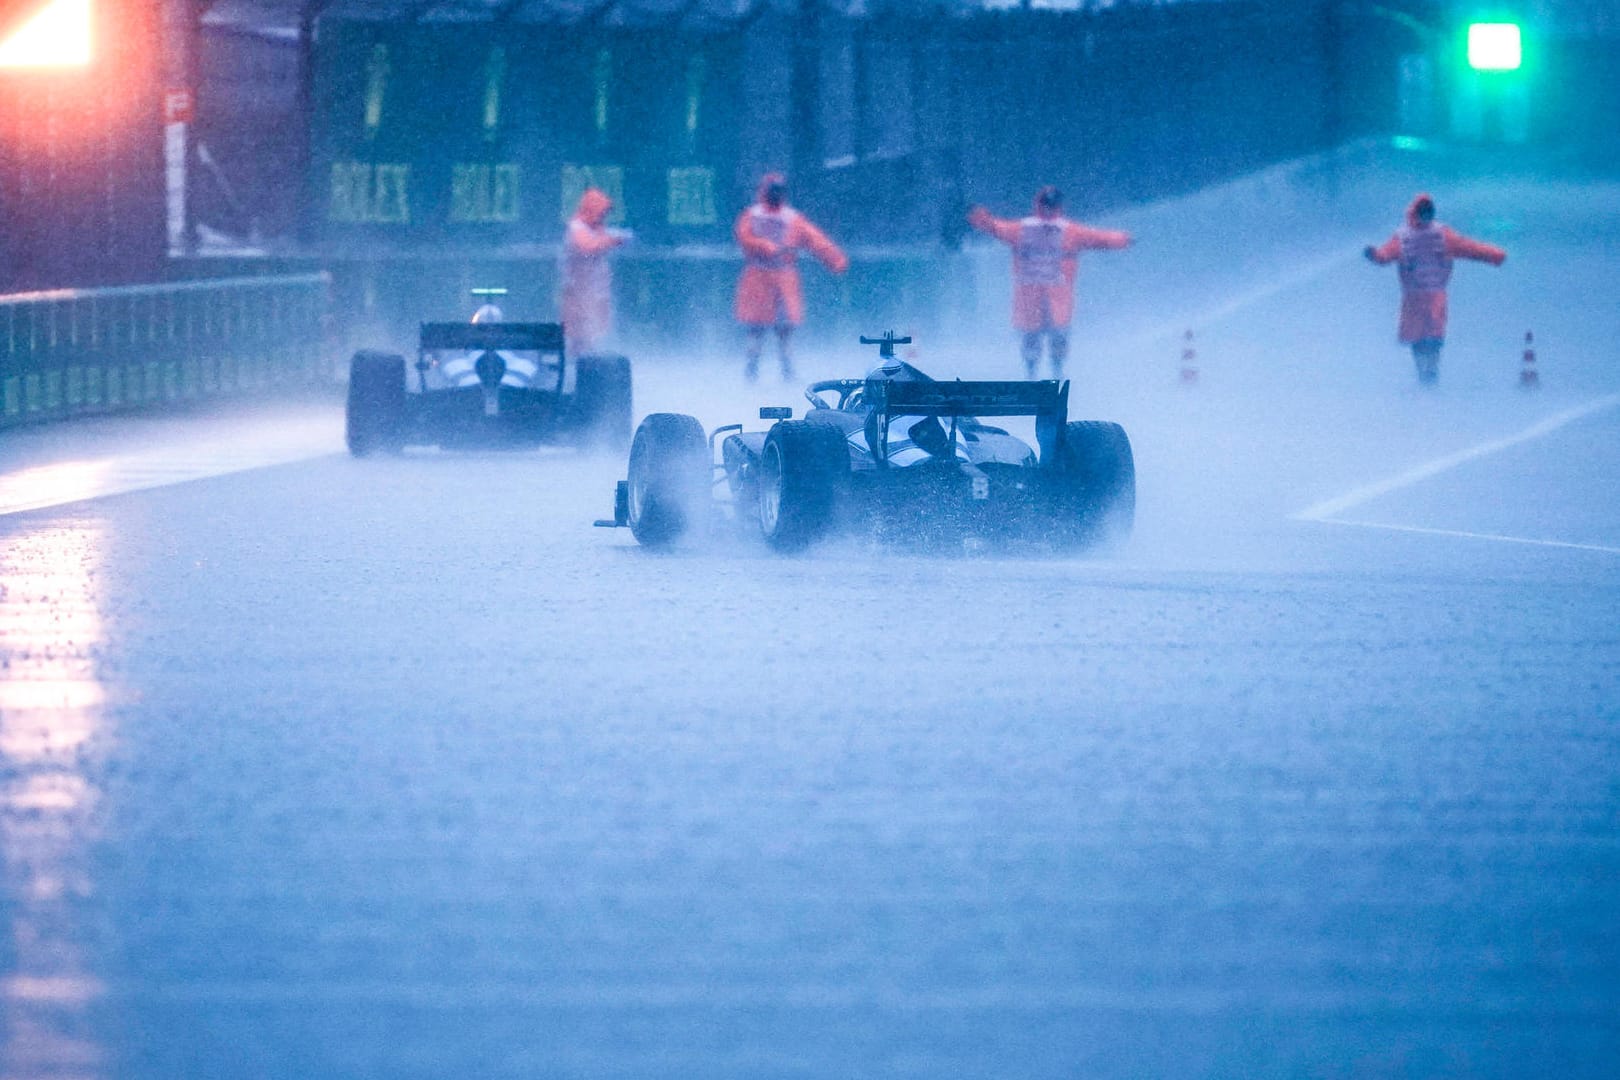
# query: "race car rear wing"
1047, 401
894, 397
512, 336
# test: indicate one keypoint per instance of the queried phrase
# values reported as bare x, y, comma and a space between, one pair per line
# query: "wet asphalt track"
397, 768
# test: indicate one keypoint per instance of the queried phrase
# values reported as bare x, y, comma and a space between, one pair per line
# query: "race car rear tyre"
670, 479
375, 412
800, 471
1096, 482
602, 386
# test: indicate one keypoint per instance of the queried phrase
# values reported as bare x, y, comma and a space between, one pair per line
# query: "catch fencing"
68, 352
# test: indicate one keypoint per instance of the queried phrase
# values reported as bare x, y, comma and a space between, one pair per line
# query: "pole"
181, 22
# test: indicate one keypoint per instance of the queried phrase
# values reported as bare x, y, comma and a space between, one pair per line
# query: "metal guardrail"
68, 352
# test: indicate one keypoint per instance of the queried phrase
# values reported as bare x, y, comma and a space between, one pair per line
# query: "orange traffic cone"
1189, 359
1529, 379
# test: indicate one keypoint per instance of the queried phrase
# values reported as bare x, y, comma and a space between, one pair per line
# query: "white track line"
1217, 312
1329, 509
1469, 535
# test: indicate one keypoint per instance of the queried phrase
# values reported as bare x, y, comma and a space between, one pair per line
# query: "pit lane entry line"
1328, 511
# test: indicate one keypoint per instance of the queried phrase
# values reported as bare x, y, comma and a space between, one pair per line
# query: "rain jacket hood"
768, 181
593, 207
1419, 201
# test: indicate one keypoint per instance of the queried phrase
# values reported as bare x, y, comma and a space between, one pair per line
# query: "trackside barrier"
68, 352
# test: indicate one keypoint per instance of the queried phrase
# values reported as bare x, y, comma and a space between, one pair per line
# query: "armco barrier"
68, 352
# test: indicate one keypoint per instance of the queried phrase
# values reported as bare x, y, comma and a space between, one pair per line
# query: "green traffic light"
1494, 47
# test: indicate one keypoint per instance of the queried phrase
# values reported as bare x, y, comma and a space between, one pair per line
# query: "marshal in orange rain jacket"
769, 293
1045, 254
587, 277
1425, 253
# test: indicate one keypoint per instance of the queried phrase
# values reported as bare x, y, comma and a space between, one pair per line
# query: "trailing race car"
896, 453
487, 383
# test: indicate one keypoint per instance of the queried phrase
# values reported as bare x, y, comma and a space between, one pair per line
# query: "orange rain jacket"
1426, 253
1045, 260
768, 293
587, 277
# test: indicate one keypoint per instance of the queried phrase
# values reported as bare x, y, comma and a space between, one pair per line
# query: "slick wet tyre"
1095, 497
670, 479
374, 416
801, 470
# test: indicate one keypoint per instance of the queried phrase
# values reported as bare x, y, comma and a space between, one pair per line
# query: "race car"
487, 383
896, 454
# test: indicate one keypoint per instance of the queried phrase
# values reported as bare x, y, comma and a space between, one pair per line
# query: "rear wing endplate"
513, 336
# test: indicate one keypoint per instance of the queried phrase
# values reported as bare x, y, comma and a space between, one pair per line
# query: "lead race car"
487, 382
895, 453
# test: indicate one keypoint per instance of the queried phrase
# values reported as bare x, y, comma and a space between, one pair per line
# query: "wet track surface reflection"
54, 742
416, 777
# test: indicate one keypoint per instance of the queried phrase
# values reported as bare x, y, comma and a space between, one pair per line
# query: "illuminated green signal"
1494, 47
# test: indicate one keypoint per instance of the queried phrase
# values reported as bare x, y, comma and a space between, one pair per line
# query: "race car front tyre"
375, 412
800, 471
602, 389
1096, 484
670, 479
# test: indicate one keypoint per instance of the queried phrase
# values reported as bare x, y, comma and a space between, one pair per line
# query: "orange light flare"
61, 34
78, 82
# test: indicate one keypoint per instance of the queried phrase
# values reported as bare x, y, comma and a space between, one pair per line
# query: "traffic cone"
1189, 360
1529, 379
